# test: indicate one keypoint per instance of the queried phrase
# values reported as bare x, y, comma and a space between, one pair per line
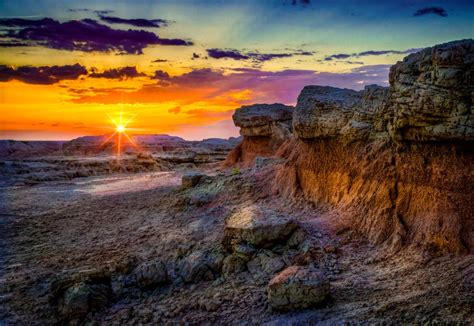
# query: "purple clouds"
368, 53
137, 22
42, 75
254, 56
84, 35
118, 73
438, 11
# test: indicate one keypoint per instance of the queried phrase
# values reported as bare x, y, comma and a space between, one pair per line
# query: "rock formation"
169, 148
265, 127
431, 94
329, 112
394, 164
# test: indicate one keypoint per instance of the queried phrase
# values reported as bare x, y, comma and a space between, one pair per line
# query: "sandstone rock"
264, 119
329, 112
191, 179
200, 266
431, 94
150, 274
257, 227
297, 287
264, 127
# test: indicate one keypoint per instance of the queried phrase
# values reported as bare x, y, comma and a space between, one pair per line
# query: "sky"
68, 68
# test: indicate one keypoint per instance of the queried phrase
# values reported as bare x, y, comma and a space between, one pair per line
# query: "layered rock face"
329, 112
394, 164
432, 94
264, 127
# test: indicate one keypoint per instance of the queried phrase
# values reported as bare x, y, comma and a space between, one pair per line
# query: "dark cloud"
79, 10
137, 22
439, 11
160, 60
119, 73
300, 2
367, 53
254, 56
98, 12
162, 75
45, 75
195, 56
12, 44
84, 35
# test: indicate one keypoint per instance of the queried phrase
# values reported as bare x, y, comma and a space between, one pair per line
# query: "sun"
120, 132
120, 128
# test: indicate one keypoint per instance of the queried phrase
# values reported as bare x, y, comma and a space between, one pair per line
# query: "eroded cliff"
394, 164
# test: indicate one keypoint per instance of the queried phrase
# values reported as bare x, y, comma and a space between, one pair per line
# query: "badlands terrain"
353, 207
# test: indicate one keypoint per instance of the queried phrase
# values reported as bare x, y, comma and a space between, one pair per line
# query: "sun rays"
120, 125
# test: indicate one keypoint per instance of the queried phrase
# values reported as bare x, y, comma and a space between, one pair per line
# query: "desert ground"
112, 223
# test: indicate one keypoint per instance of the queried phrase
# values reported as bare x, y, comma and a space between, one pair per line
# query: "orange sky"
183, 67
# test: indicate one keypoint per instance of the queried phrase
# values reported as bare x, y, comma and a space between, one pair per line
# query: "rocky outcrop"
22, 149
329, 112
431, 94
393, 163
264, 127
168, 148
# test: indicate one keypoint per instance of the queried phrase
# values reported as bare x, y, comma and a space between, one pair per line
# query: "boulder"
78, 294
191, 179
200, 266
150, 274
297, 287
258, 227
431, 94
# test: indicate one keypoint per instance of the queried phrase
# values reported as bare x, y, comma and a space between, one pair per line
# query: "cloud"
137, 22
45, 75
84, 35
368, 53
255, 56
238, 86
12, 44
302, 2
160, 60
439, 11
118, 73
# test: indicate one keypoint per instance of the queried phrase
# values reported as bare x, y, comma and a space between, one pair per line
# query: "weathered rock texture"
297, 287
396, 164
432, 92
329, 112
264, 127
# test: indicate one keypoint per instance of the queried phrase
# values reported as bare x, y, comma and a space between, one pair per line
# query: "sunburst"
120, 131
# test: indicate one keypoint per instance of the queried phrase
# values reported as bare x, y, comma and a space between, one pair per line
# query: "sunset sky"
182, 67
